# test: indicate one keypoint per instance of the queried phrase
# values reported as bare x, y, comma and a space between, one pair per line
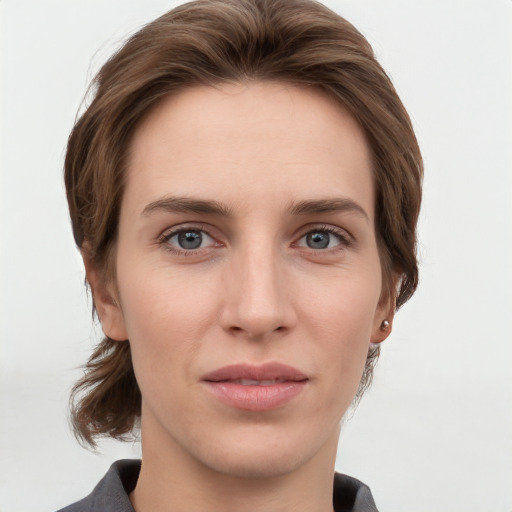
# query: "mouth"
256, 387
253, 375
253, 382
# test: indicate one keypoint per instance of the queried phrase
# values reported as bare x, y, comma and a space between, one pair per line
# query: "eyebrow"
334, 205
173, 204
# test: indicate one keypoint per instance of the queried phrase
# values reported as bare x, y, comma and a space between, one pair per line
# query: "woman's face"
248, 276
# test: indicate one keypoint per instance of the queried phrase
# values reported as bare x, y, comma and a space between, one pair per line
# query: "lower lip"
256, 398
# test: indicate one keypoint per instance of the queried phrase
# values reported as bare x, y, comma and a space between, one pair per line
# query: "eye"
190, 239
324, 238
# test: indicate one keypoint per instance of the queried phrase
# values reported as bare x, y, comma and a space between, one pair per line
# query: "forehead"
265, 140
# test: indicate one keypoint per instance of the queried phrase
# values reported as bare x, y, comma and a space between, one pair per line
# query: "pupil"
190, 239
318, 240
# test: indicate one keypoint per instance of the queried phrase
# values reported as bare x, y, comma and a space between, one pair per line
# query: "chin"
261, 464
263, 453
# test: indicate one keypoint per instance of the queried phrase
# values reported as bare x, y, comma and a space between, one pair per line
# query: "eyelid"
346, 238
164, 238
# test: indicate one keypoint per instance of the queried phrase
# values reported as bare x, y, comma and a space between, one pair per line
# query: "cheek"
166, 314
157, 293
340, 321
345, 304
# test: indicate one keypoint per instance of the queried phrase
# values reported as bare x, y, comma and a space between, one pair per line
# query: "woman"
244, 190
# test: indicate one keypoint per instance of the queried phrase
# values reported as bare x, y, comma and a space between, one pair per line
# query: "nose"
257, 295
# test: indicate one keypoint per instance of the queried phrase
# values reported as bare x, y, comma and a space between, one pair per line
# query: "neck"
171, 479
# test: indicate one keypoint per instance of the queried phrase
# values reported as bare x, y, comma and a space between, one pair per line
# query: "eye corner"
188, 240
326, 238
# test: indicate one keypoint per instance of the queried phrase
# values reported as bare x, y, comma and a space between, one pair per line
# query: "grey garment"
111, 494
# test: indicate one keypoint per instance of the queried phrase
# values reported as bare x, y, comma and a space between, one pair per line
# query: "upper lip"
267, 371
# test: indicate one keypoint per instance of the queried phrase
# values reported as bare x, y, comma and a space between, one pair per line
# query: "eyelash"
345, 240
165, 238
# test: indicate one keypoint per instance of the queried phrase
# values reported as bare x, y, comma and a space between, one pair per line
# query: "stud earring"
384, 325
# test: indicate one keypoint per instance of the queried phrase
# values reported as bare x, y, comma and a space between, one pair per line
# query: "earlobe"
383, 319
381, 328
105, 302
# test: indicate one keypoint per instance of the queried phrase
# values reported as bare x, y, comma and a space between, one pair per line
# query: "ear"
105, 301
384, 314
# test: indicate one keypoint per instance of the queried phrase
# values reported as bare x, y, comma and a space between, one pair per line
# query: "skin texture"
254, 292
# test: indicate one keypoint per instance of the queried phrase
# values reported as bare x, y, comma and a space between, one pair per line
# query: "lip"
255, 387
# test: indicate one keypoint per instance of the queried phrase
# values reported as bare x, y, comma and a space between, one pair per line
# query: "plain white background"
433, 434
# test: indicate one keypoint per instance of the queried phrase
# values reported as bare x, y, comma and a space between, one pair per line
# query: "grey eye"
189, 239
318, 239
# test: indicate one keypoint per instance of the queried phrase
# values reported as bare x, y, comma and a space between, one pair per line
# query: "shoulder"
352, 495
111, 493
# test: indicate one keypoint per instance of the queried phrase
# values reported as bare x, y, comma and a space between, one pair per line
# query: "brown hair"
207, 42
